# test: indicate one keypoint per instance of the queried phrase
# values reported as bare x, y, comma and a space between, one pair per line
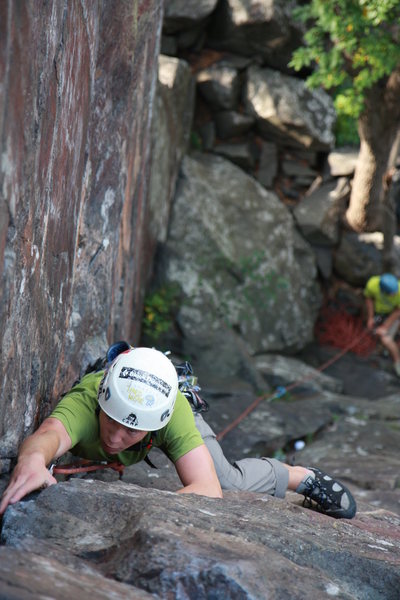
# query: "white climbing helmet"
139, 389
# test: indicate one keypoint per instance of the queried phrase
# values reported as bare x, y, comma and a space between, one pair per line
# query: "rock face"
74, 242
287, 111
184, 14
253, 28
241, 265
179, 546
359, 256
171, 126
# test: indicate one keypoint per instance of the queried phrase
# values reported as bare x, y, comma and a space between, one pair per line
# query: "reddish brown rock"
78, 81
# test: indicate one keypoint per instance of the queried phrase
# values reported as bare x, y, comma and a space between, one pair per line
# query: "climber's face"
116, 437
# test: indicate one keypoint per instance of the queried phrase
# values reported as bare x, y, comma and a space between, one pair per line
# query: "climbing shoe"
331, 497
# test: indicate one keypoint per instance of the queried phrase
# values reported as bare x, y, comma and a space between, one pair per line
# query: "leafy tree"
353, 47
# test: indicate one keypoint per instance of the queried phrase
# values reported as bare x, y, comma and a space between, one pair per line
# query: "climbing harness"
85, 466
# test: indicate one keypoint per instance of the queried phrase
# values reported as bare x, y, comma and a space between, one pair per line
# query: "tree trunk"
378, 127
389, 217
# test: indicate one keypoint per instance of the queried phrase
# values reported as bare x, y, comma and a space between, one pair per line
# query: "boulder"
231, 124
242, 154
220, 86
25, 574
342, 162
252, 28
185, 14
363, 448
242, 267
289, 370
317, 215
246, 545
288, 112
268, 164
359, 256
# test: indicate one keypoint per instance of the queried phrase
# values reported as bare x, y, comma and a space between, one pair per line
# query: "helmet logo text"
131, 420
151, 380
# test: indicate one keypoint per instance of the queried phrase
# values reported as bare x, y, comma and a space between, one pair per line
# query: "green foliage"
351, 45
195, 141
346, 132
158, 311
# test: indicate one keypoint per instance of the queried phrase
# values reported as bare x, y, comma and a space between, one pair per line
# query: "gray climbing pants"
266, 475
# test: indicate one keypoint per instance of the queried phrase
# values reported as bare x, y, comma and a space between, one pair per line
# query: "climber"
134, 404
382, 297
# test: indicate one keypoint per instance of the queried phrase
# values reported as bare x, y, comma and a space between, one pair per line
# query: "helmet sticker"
164, 415
134, 395
108, 394
149, 400
148, 378
131, 420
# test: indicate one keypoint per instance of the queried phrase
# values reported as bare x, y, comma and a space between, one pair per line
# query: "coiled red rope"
338, 328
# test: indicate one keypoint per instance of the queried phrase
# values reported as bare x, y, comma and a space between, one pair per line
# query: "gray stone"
291, 369
220, 86
291, 411
296, 169
364, 449
244, 155
247, 545
268, 164
324, 258
29, 575
230, 124
287, 112
5, 464
358, 257
192, 39
207, 135
183, 14
171, 128
169, 45
342, 162
252, 28
241, 265
317, 216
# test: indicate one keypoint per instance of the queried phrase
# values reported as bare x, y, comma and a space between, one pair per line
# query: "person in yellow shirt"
382, 297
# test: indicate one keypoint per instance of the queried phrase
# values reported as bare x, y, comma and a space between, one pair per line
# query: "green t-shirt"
77, 412
384, 304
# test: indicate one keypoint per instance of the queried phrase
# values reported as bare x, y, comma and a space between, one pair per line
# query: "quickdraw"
188, 385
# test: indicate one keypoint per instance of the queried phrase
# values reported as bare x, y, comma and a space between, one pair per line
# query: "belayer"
120, 412
382, 298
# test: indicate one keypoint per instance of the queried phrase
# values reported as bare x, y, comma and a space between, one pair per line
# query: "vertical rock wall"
77, 81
